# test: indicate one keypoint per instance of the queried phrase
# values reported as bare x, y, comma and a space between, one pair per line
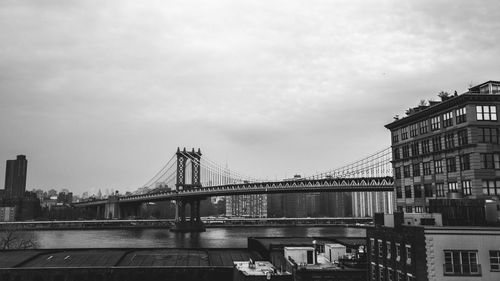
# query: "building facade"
366, 204
15, 177
249, 205
448, 149
398, 251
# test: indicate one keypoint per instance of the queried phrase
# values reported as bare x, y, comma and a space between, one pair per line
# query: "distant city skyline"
100, 95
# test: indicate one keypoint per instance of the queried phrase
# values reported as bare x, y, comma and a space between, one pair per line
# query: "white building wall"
477, 239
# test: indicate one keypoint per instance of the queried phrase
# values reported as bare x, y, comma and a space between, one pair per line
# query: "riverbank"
168, 223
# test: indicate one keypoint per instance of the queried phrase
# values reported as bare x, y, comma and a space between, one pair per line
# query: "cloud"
126, 82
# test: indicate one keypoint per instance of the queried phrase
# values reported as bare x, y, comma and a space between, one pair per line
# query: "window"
423, 127
428, 190
381, 272
465, 162
449, 141
409, 209
419, 209
425, 147
435, 123
488, 135
461, 262
373, 271
447, 119
399, 192
461, 115
406, 171
397, 156
397, 172
408, 191
408, 254
395, 137
491, 187
495, 260
436, 144
486, 112
427, 168
438, 166
495, 89
413, 130
390, 274
380, 248
466, 188
404, 133
414, 149
416, 170
417, 190
440, 192
490, 160
372, 246
462, 137
388, 247
451, 165
406, 151
452, 187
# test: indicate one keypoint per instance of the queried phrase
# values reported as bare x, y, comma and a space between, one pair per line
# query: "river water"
231, 237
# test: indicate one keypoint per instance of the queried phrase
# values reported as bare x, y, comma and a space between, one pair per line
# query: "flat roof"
148, 257
440, 107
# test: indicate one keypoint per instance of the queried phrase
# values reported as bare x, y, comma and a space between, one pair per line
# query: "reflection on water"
235, 237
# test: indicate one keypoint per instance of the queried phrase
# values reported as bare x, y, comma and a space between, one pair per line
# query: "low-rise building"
411, 248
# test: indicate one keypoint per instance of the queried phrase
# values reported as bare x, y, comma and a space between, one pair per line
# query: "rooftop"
423, 111
123, 258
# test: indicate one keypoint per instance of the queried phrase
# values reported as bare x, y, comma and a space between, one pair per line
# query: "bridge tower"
181, 223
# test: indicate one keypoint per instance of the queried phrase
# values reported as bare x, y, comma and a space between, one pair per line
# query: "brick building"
448, 149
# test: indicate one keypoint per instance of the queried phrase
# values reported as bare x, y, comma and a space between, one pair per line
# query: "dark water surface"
233, 237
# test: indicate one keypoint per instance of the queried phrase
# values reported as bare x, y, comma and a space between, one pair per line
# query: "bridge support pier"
112, 208
194, 224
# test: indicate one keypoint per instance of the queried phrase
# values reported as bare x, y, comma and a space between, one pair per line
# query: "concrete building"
448, 150
15, 177
366, 204
249, 205
7, 213
419, 248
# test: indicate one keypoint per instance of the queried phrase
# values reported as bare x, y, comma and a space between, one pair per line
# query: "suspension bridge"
189, 178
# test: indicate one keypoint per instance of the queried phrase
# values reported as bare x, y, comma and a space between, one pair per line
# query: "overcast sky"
99, 94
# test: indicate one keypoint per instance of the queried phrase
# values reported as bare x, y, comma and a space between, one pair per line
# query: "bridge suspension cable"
213, 174
375, 165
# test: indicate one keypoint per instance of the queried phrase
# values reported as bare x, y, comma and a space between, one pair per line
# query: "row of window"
392, 275
483, 113
424, 147
386, 250
411, 209
437, 190
416, 170
456, 263
490, 187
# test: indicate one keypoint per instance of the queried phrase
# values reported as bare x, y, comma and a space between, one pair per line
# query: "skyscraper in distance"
15, 177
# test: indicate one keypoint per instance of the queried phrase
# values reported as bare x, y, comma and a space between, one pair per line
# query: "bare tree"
11, 238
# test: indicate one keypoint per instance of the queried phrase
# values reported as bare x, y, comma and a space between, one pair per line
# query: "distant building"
248, 205
366, 204
7, 213
25, 204
335, 204
15, 177
448, 150
65, 197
